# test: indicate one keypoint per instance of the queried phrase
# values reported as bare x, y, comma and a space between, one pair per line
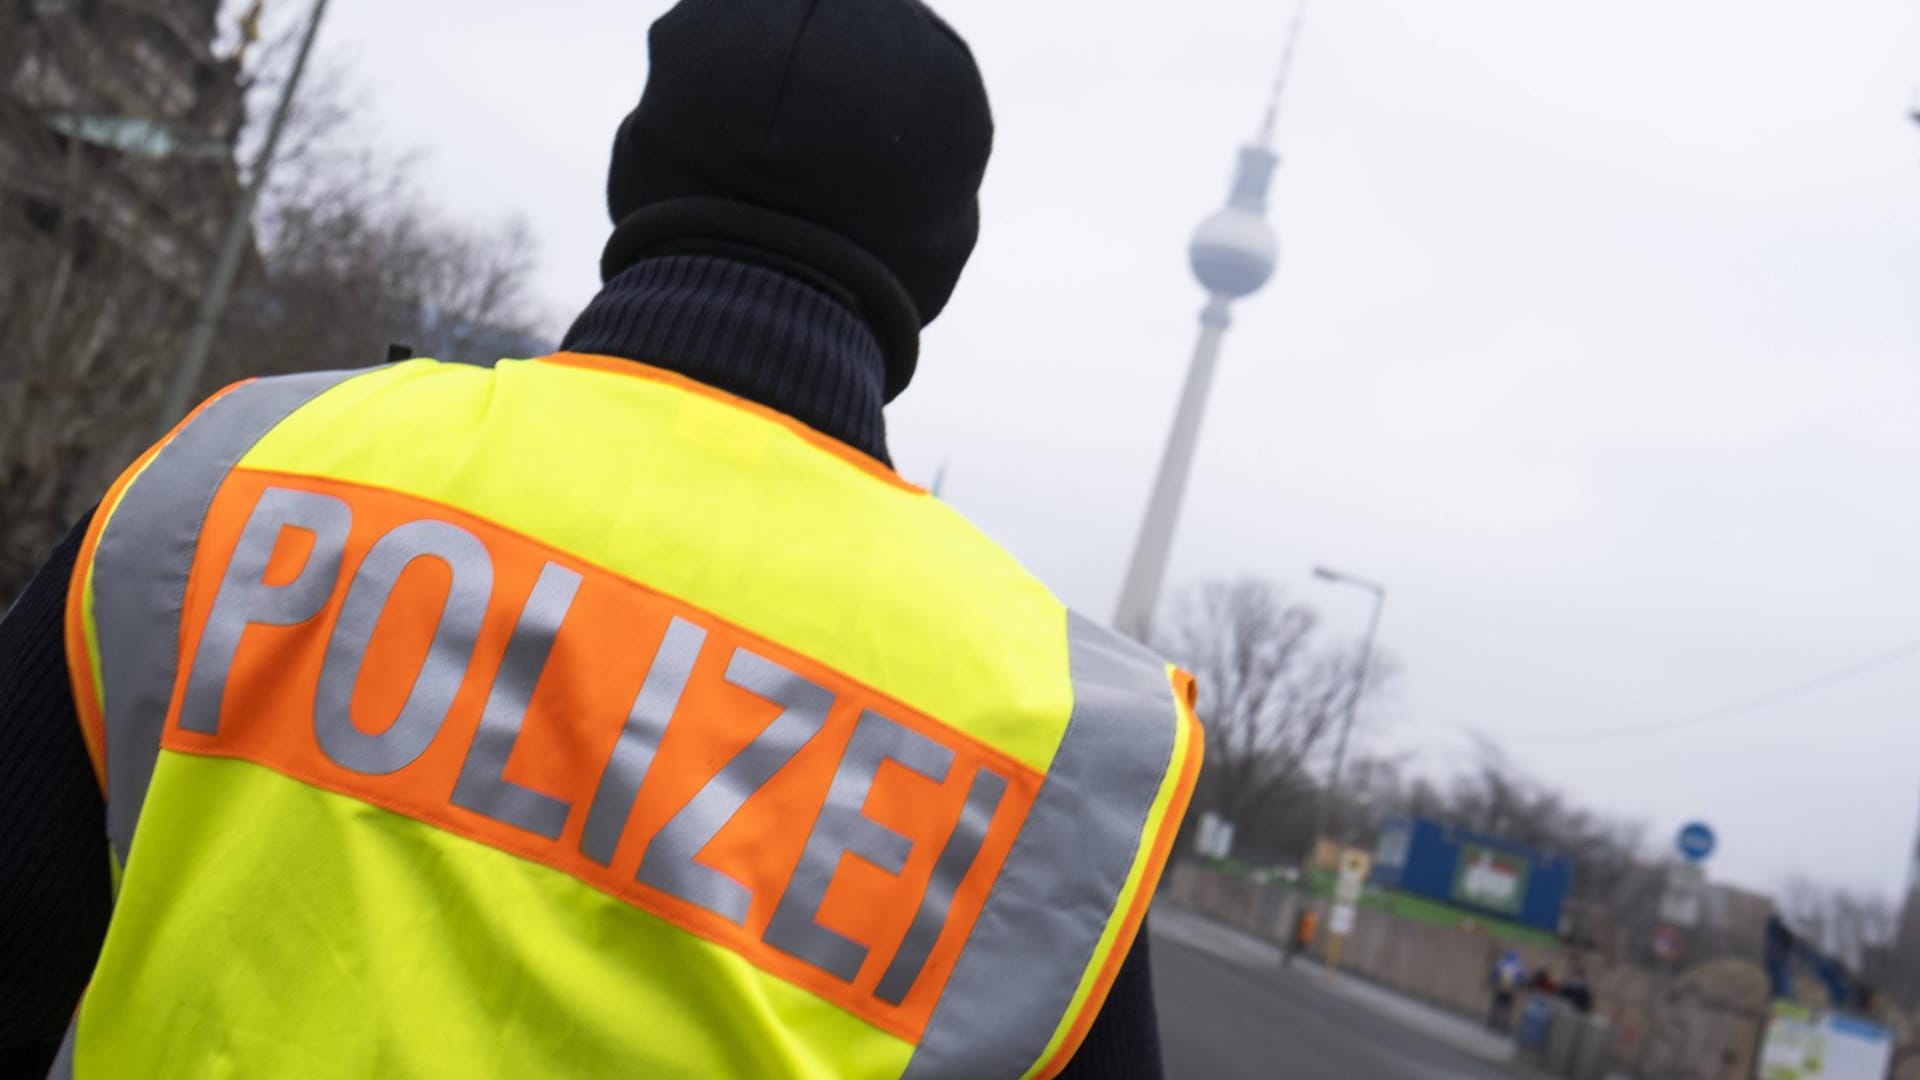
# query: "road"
1221, 1020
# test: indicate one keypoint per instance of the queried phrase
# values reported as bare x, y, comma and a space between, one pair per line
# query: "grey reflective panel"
245, 597
1050, 904
63, 1061
483, 786
445, 665
646, 725
844, 827
669, 862
140, 570
956, 858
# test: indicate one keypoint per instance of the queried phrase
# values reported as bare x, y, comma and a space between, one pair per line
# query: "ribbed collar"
750, 331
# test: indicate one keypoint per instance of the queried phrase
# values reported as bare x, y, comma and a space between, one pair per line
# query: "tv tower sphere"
1234, 250
1233, 253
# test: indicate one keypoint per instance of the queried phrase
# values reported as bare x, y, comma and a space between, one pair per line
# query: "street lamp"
1324, 805
185, 379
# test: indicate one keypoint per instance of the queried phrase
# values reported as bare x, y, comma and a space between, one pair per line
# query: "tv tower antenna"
1286, 70
1233, 253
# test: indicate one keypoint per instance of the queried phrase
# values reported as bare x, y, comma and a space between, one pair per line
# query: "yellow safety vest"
570, 718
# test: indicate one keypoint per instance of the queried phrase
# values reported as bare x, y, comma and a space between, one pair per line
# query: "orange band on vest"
605, 635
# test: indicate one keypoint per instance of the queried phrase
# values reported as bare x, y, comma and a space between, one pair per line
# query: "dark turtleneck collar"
751, 331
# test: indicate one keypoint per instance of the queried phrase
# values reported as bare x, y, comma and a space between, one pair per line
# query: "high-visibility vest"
570, 718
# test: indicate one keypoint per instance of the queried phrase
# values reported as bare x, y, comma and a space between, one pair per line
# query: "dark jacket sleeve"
55, 893
1124, 1041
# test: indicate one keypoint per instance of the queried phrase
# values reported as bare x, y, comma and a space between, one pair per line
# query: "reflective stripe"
63, 1061
669, 862
844, 828
140, 570
245, 597
1095, 801
976, 817
653, 708
483, 785
442, 670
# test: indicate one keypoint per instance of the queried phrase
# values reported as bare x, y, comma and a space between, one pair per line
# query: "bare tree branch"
113, 193
1270, 694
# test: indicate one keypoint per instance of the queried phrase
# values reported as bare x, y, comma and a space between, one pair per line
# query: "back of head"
843, 139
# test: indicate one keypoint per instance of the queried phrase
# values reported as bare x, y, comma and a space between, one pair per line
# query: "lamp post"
213, 302
1325, 804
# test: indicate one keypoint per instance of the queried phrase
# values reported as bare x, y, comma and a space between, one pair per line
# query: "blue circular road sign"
1696, 842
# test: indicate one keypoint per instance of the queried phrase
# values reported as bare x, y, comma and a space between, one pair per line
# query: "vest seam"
817, 439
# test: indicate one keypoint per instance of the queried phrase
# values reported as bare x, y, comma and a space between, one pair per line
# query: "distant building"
117, 129
1737, 919
1480, 874
117, 178
1623, 915
1895, 971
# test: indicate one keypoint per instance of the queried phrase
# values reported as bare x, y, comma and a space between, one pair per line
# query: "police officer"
614, 711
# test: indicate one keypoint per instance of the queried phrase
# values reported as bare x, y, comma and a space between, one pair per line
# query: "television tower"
1902, 983
1233, 253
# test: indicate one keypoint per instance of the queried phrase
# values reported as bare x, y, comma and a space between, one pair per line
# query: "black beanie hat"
842, 138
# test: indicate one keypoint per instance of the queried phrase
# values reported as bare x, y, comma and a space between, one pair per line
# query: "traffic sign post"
1668, 944
1686, 893
1340, 923
1696, 842
1355, 865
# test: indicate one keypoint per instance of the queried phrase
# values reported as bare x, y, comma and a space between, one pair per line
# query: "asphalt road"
1221, 1020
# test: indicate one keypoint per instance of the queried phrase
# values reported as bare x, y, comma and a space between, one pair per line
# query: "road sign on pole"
1668, 944
1685, 895
1695, 842
1355, 865
1340, 923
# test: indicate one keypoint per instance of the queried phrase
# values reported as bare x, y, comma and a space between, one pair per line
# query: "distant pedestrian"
1507, 978
1576, 991
1304, 928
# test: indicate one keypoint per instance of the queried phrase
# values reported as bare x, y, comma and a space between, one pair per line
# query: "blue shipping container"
1484, 875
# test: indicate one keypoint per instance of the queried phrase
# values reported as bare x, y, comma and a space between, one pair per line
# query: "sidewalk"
1197, 931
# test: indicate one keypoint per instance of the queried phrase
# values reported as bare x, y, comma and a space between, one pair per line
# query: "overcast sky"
1594, 339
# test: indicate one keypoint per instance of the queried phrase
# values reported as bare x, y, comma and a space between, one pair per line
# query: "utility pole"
213, 303
1329, 796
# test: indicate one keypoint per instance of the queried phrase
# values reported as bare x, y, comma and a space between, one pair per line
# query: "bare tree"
351, 267
1375, 787
107, 228
1498, 798
116, 130
1270, 693
1615, 891
1843, 922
